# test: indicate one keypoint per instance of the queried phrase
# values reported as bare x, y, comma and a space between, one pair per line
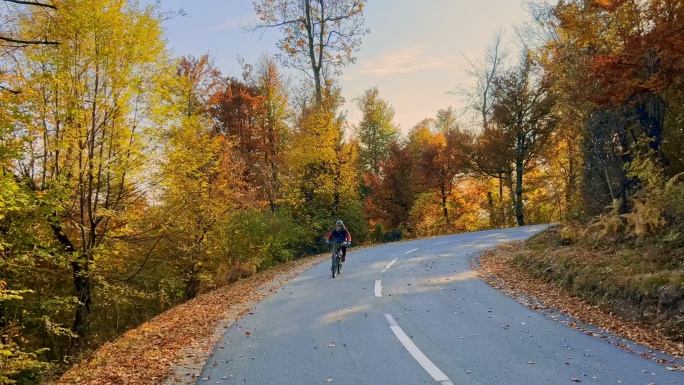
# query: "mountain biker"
340, 236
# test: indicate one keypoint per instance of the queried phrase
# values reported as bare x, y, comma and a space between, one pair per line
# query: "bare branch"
19, 41
3, 88
32, 3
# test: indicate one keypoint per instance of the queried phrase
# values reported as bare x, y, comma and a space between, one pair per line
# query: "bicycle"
336, 259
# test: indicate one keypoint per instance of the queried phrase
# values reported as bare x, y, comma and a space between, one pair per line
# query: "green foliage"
425, 217
16, 363
352, 213
376, 130
250, 241
17, 366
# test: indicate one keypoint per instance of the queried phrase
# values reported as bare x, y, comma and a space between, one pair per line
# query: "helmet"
339, 223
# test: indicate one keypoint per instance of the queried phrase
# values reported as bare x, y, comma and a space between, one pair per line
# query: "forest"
132, 181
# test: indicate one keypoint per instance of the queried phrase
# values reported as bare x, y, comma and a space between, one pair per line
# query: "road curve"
414, 313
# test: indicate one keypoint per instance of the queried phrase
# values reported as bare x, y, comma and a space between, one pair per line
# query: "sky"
414, 54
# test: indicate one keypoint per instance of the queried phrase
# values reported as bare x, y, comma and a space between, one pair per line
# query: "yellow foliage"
571, 233
646, 218
605, 225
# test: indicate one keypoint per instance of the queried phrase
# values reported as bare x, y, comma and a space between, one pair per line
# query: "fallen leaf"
186, 331
575, 379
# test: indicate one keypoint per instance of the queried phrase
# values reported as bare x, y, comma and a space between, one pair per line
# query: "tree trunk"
316, 62
444, 208
317, 81
492, 210
570, 186
519, 216
83, 285
192, 284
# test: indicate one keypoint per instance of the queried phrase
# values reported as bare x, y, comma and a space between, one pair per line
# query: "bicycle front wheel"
334, 262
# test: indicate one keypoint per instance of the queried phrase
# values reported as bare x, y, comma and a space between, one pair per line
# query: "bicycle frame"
336, 263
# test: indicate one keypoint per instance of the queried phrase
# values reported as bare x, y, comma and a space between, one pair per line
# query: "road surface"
414, 313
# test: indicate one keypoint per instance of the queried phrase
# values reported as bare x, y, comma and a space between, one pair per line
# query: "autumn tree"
320, 36
443, 159
198, 175
235, 108
522, 113
376, 130
90, 98
273, 132
485, 147
323, 177
627, 85
397, 189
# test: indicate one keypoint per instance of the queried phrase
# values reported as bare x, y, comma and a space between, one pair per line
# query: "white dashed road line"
378, 288
411, 251
425, 362
389, 265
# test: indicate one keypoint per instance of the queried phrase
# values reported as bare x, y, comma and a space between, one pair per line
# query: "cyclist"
339, 236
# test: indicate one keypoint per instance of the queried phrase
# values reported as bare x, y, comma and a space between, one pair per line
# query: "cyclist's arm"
348, 236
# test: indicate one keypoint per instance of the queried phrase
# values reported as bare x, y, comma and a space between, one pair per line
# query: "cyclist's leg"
344, 252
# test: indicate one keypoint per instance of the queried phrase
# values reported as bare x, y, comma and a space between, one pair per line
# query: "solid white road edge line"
425, 362
411, 251
378, 288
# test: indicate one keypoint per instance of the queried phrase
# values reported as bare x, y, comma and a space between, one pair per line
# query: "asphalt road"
414, 313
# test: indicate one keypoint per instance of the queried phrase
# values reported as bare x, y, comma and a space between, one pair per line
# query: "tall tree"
90, 98
236, 108
483, 72
396, 191
375, 131
523, 111
199, 177
444, 159
484, 158
273, 130
323, 177
320, 36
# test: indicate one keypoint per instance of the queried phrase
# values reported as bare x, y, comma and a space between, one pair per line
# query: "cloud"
234, 23
406, 60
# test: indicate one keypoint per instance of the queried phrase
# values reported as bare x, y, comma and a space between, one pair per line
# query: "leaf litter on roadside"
498, 270
150, 353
